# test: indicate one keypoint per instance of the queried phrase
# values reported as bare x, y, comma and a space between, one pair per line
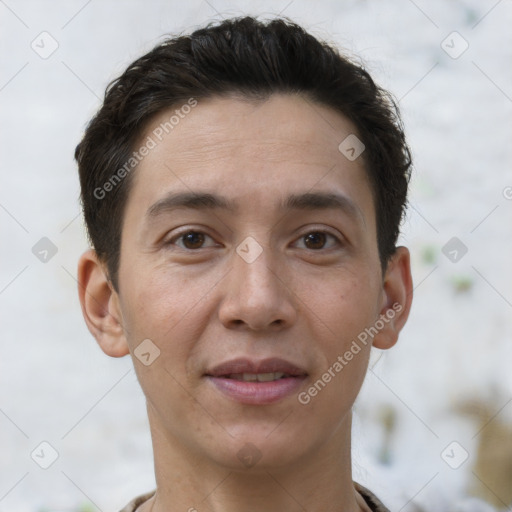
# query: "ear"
397, 299
100, 305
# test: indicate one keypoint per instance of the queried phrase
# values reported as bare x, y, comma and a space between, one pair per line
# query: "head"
251, 60
243, 188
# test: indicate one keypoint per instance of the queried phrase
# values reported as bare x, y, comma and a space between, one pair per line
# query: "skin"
299, 300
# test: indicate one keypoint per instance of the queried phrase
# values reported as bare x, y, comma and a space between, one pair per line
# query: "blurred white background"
448, 380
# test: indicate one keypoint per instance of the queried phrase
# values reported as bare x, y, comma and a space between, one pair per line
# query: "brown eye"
318, 241
193, 240
315, 240
190, 240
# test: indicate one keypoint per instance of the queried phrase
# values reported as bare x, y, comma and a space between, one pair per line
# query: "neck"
319, 481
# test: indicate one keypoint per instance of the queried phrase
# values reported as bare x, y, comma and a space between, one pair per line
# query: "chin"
257, 449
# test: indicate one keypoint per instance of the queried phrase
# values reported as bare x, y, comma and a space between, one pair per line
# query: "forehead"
251, 151
230, 127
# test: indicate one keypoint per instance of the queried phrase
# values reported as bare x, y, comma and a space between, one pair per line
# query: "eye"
316, 240
191, 240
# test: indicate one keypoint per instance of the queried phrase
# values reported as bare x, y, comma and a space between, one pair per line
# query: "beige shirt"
371, 500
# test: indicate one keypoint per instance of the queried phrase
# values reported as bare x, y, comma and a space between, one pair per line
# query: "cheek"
160, 307
339, 311
342, 303
163, 304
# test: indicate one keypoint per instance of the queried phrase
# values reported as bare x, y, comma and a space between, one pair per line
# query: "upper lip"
243, 365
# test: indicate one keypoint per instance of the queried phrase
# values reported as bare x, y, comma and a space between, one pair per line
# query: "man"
243, 189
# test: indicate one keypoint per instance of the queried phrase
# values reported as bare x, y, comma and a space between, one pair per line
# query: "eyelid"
184, 231
340, 239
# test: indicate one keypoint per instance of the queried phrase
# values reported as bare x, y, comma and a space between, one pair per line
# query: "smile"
256, 382
257, 377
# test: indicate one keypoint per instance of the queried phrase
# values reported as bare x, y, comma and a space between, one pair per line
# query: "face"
249, 258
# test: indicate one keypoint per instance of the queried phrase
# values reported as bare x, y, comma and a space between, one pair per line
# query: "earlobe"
397, 299
100, 306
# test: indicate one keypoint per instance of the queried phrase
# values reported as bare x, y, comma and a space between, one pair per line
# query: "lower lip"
257, 393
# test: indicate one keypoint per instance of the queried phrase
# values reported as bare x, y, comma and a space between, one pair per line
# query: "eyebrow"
208, 201
192, 200
323, 201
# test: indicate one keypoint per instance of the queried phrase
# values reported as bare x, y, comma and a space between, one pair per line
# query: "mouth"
257, 377
256, 382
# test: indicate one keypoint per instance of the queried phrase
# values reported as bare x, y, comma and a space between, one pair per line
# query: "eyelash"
180, 236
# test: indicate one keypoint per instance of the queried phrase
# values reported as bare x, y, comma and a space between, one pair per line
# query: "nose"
256, 297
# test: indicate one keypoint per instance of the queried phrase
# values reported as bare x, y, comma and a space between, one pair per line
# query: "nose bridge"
256, 296
255, 276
